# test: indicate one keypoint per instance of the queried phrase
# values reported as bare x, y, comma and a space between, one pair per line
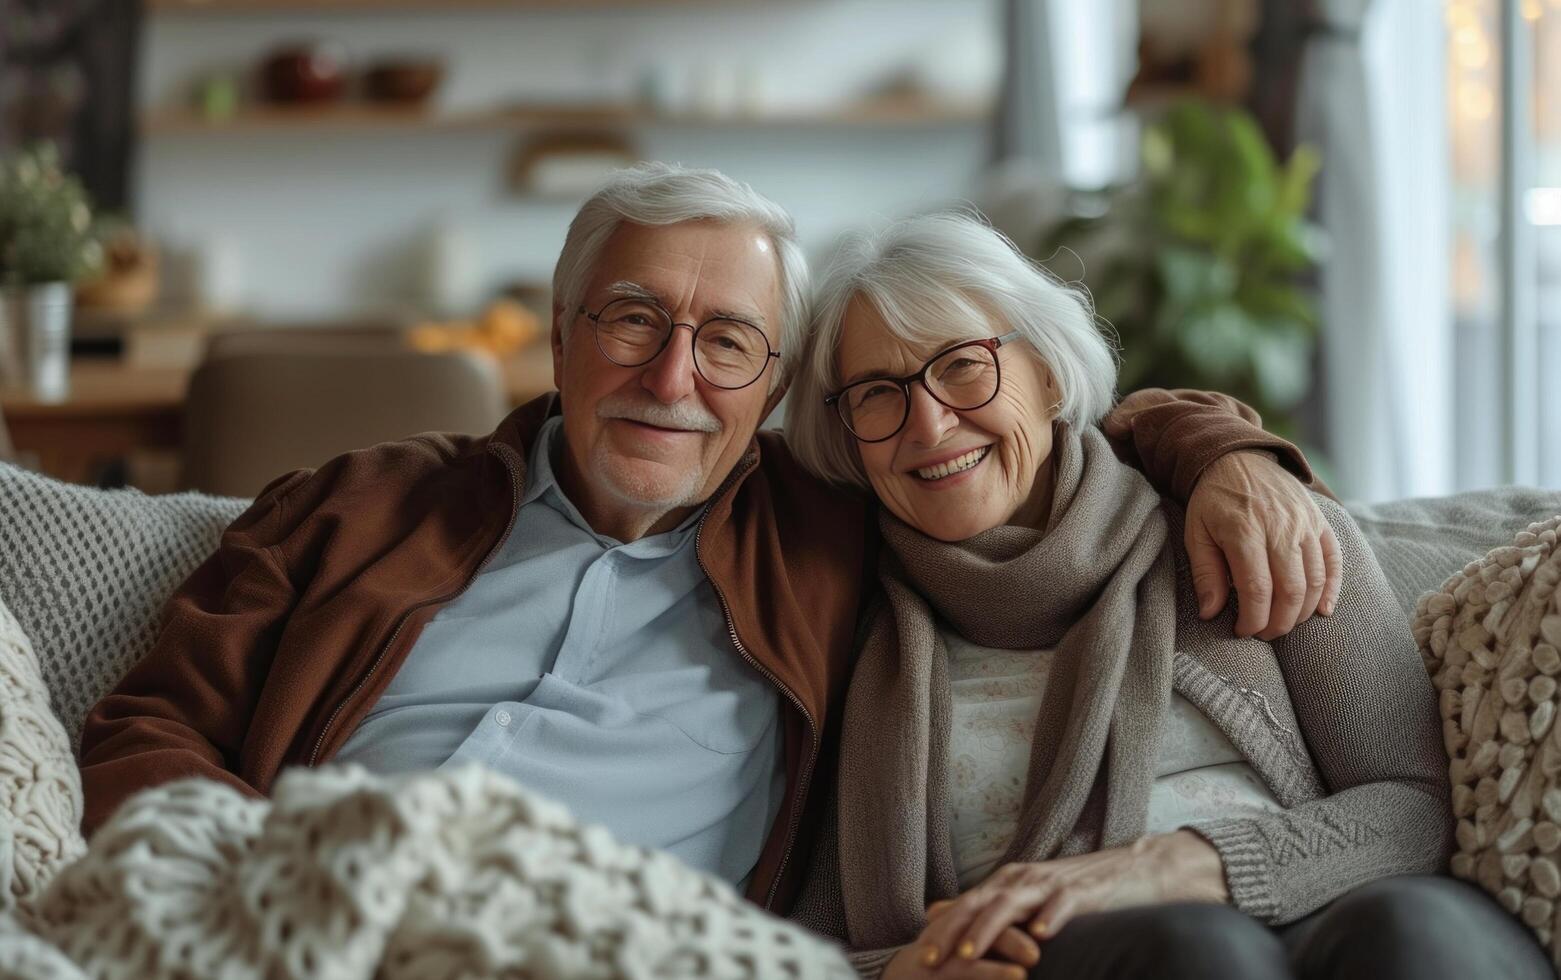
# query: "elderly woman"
1042, 738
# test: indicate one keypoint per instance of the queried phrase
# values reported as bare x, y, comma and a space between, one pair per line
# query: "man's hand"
1251, 524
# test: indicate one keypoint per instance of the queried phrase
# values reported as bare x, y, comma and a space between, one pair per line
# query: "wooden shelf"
358, 116
426, 6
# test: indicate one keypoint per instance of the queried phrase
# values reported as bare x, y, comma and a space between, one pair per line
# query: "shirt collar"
542, 484
540, 475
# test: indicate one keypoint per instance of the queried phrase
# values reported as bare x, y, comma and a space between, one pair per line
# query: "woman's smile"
939, 473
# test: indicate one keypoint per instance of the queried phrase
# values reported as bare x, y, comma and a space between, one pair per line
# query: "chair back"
252, 415
364, 335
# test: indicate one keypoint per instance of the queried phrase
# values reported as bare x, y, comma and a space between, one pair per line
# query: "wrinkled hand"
1251, 524
1043, 897
1011, 956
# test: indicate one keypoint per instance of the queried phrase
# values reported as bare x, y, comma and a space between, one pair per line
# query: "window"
1504, 121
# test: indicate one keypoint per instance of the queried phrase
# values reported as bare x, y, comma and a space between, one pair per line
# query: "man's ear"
558, 345
775, 398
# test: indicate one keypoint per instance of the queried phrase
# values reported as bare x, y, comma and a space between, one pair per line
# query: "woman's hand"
1175, 867
1012, 955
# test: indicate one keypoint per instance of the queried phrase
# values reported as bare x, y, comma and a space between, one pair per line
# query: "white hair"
668, 194
936, 280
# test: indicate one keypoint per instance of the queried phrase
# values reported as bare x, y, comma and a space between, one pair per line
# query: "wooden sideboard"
116, 410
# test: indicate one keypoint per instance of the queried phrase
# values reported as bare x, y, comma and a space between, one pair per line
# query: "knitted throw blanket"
40, 792
344, 874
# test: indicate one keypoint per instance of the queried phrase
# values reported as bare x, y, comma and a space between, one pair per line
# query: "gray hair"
935, 280
668, 194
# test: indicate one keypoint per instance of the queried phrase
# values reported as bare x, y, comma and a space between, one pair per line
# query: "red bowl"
405, 80
305, 73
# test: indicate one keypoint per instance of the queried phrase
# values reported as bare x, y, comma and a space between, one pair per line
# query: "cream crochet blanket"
40, 790
344, 874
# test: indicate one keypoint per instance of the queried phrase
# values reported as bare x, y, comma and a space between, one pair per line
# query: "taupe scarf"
1098, 587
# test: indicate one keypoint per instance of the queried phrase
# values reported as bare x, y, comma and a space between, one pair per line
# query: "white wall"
327, 223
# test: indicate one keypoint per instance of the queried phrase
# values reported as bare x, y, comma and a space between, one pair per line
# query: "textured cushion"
1491, 638
1419, 543
40, 787
86, 572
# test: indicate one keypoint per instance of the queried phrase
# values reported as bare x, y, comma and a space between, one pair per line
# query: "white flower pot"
35, 339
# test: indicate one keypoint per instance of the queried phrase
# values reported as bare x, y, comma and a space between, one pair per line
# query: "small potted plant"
47, 243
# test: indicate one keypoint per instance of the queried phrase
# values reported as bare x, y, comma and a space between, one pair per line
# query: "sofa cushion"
1421, 542
40, 787
1491, 638
86, 572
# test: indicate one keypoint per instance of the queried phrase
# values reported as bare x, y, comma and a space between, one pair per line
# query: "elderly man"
623, 596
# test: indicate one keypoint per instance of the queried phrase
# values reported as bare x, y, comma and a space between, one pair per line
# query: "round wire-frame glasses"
729, 353
976, 393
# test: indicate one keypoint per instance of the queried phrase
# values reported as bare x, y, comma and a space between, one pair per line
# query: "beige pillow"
40, 787
1492, 641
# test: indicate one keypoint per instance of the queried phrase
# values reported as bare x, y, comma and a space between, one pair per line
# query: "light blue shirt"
600, 674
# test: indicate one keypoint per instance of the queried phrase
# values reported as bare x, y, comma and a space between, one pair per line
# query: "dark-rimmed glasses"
728, 353
963, 377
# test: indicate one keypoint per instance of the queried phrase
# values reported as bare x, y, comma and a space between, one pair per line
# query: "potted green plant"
47, 242
1201, 265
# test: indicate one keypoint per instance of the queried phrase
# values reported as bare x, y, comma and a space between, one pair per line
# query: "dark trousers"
1411, 926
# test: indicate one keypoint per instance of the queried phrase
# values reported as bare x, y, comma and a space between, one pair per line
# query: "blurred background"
239, 236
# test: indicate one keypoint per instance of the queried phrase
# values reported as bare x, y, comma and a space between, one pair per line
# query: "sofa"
84, 572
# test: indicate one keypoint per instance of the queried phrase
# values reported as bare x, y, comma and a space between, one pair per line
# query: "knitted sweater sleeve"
1368, 716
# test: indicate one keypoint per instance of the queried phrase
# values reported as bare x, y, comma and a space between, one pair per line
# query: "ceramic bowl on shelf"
402, 80
305, 73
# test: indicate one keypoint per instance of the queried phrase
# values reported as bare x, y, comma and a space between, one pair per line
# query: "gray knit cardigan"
1339, 720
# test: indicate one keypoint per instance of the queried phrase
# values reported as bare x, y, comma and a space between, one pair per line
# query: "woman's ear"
1053, 391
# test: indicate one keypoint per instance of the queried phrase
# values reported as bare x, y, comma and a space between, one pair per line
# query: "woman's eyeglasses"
963, 377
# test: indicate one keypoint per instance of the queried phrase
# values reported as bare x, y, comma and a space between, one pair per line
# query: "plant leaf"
1282, 364
1295, 186
1217, 341
1191, 277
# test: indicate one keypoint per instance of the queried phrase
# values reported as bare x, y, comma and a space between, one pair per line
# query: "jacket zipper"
795, 816
504, 453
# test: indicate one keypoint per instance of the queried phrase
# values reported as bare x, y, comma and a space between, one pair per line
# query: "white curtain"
1029, 126
1067, 66
1372, 101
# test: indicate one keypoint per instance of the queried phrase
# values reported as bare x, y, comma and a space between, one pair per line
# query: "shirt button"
502, 717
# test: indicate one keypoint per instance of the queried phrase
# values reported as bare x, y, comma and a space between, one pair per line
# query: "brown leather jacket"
276, 647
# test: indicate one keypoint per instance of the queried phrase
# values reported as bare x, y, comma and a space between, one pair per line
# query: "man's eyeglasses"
963, 377
728, 353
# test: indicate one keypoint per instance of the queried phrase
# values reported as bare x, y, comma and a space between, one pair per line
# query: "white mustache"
678, 416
